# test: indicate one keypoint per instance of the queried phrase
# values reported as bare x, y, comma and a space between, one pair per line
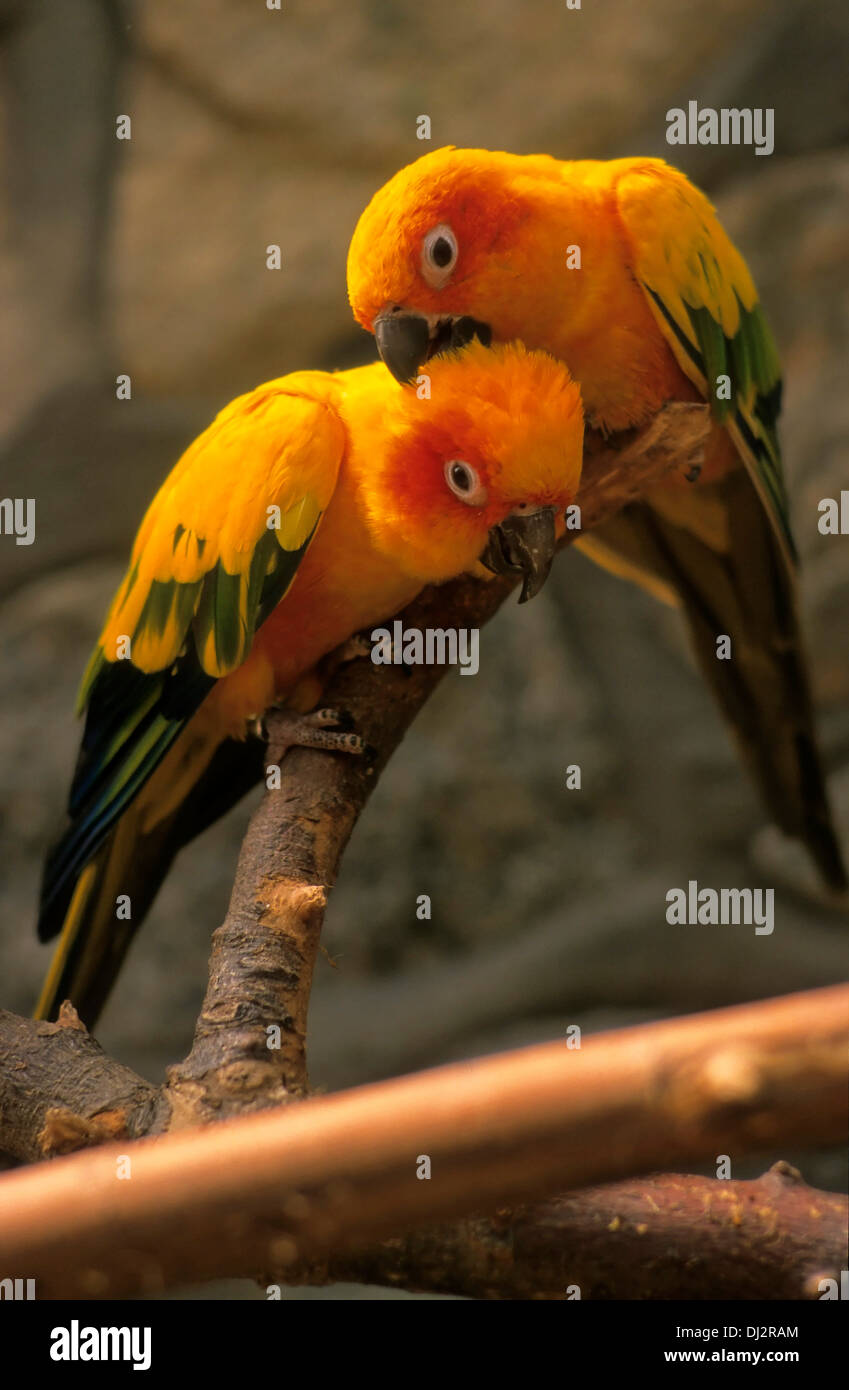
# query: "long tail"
196, 783
744, 590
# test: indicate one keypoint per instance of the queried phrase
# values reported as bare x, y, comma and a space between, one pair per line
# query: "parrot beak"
402, 341
405, 340
523, 543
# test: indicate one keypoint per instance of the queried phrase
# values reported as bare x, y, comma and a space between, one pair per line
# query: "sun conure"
622, 270
313, 507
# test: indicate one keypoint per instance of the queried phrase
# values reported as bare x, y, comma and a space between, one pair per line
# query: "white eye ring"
439, 255
465, 483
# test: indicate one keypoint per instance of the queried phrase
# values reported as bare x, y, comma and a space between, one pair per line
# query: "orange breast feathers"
342, 586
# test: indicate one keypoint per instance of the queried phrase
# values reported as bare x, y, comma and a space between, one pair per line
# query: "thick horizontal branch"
666, 1236
302, 1184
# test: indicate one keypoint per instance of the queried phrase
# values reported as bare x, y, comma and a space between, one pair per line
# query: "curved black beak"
523, 543
402, 341
405, 339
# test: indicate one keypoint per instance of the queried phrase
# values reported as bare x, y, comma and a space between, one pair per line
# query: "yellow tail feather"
70, 931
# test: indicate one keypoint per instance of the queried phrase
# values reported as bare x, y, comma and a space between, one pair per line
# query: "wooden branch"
59, 1091
301, 1184
666, 1236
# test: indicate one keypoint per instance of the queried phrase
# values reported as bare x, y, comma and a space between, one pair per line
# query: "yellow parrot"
313, 507
622, 270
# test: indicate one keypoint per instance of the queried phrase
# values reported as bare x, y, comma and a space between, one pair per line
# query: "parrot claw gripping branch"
330, 729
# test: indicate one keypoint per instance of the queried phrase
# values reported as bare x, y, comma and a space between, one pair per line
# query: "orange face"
449, 249
485, 465
435, 222
504, 247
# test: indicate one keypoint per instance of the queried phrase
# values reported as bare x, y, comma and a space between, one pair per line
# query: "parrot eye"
439, 255
465, 483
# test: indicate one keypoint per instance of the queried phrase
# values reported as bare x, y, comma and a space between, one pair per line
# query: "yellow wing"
236, 512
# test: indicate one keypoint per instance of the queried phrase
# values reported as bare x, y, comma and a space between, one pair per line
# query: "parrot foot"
329, 729
354, 649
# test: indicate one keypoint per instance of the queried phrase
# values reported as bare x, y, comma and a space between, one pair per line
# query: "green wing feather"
704, 300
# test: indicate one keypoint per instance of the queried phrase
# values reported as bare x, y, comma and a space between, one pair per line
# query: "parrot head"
457, 246
481, 467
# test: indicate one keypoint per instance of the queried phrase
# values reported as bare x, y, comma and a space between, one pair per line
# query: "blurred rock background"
148, 257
